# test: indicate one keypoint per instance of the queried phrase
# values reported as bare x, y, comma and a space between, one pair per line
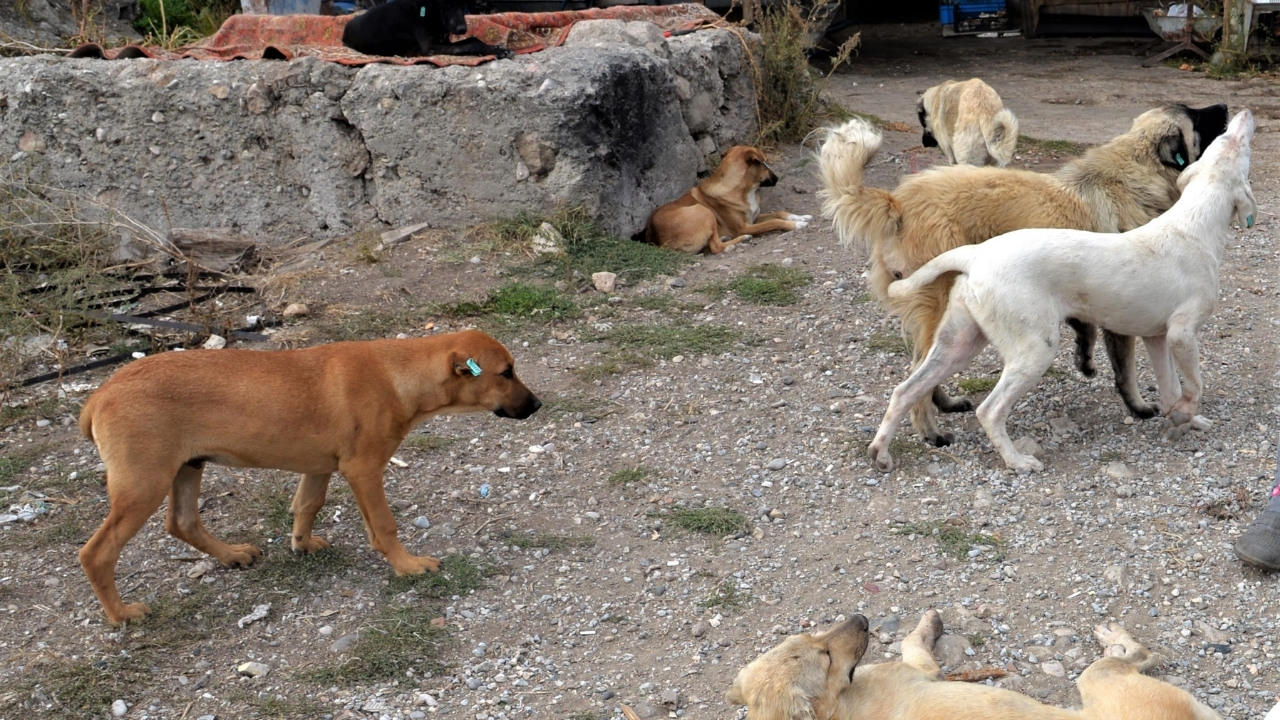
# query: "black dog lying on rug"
415, 28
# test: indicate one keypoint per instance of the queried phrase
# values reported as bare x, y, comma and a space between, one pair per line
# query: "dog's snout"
536, 404
928, 140
769, 181
529, 407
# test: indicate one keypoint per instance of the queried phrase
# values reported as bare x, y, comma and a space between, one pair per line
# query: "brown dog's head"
744, 167
802, 678
486, 377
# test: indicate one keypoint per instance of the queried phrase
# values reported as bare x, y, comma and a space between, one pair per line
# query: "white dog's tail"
1001, 134
954, 260
858, 212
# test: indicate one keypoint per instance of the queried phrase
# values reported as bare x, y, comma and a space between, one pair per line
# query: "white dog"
1158, 282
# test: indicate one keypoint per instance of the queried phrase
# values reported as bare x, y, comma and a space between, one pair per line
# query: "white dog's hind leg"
917, 648
1026, 361
959, 340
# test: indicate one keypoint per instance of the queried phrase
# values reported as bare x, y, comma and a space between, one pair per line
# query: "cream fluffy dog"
1159, 282
813, 677
1113, 188
968, 122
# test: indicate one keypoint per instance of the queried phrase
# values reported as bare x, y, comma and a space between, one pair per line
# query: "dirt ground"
595, 596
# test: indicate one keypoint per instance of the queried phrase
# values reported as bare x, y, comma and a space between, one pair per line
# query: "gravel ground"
616, 603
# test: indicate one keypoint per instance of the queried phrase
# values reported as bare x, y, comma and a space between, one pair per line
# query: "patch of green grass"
290, 572
1110, 456
976, 640
971, 386
627, 476
458, 575
400, 640
550, 541
765, 285
518, 301
589, 248
956, 541
276, 707
587, 715
425, 443
570, 405
85, 688
715, 521
597, 371
887, 343
668, 341
865, 297
14, 464
1040, 146
725, 597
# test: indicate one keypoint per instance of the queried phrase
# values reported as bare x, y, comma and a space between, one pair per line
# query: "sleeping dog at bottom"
415, 28
817, 677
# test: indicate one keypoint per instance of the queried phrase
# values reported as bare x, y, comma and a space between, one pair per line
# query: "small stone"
219, 91
671, 698
215, 342
1120, 471
699, 629
676, 282
119, 708
788, 380
253, 669
548, 240
421, 522
1028, 446
951, 650
345, 643
296, 310
605, 281
1054, 668
776, 464
43, 423
31, 143
326, 630
473, 683
157, 117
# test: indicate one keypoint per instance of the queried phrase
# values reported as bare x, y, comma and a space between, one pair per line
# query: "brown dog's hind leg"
1120, 352
917, 648
366, 484
183, 522
133, 499
306, 503
715, 245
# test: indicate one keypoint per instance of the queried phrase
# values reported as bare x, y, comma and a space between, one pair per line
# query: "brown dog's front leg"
306, 503
366, 485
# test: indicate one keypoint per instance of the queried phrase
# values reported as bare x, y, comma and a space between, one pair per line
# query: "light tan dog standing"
968, 121
343, 407
722, 210
817, 677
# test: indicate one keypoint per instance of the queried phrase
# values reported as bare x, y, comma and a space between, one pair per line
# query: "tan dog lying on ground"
968, 122
812, 677
722, 210
1112, 188
343, 407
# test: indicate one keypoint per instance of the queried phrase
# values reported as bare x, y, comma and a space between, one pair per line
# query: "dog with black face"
414, 28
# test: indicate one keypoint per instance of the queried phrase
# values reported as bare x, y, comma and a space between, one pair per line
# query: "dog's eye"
508, 373
897, 274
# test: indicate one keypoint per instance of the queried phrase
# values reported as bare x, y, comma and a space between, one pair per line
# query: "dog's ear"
461, 365
1173, 150
1246, 206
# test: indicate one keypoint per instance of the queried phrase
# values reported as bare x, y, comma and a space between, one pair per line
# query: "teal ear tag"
1248, 221
1177, 157
422, 12
473, 367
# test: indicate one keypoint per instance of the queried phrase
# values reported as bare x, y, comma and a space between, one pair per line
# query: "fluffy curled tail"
955, 260
858, 212
1001, 135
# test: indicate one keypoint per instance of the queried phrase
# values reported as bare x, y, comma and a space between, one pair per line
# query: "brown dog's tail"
1000, 132
86, 416
857, 212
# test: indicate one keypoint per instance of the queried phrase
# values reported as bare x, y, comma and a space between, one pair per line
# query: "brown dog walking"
343, 407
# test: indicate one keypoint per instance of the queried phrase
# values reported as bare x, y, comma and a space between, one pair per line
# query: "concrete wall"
618, 121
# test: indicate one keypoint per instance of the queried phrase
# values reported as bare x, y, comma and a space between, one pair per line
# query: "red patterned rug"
285, 37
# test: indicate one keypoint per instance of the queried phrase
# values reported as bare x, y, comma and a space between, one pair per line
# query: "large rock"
283, 149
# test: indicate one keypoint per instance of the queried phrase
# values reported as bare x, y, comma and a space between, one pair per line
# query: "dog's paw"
1115, 640
800, 218
240, 555
941, 438
132, 611
1200, 422
304, 546
880, 458
1023, 463
800, 224
416, 565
